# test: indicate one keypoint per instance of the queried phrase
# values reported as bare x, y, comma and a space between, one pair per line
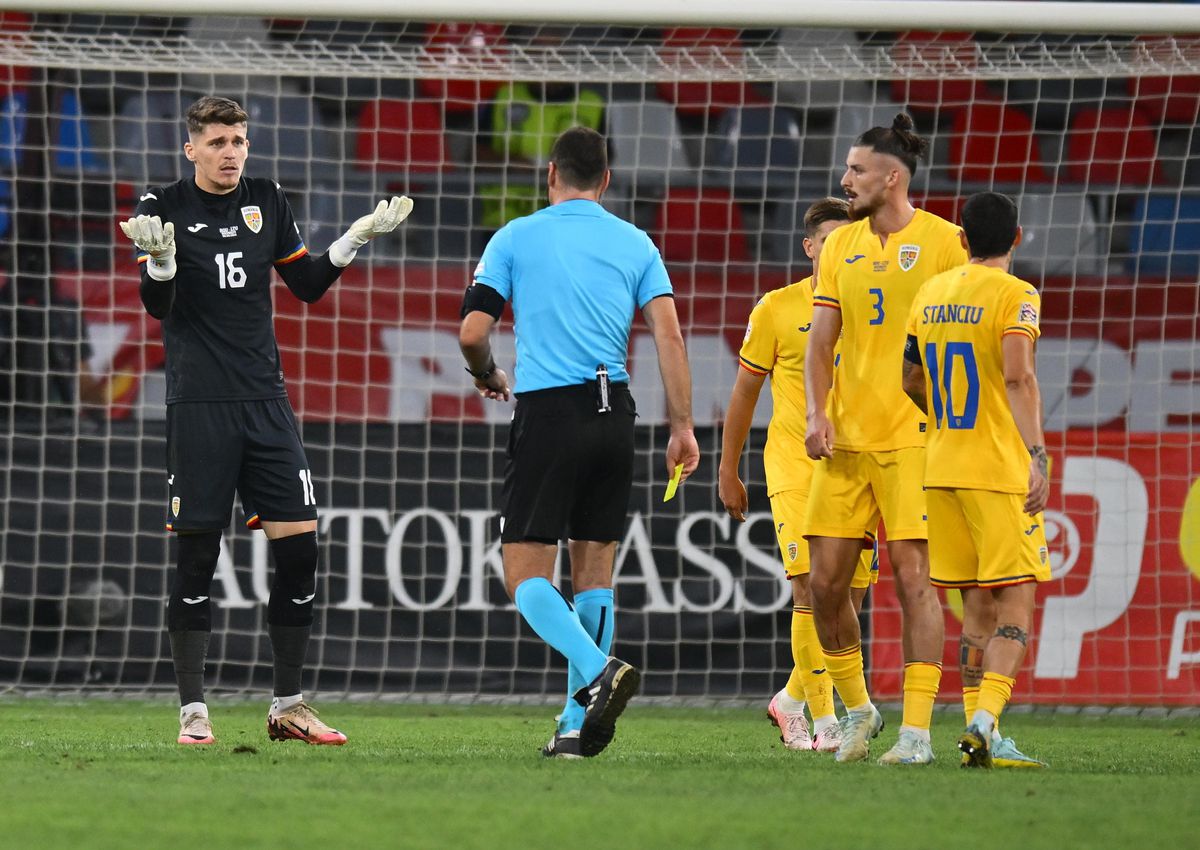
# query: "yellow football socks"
994, 693
921, 680
795, 683
810, 664
970, 701
845, 668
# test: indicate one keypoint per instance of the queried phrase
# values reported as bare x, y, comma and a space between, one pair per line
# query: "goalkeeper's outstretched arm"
310, 278
157, 241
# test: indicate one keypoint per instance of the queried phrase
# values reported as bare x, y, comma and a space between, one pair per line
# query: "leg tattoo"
1010, 632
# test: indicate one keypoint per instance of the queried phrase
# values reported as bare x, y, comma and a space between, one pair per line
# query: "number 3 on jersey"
877, 319
963, 352
230, 272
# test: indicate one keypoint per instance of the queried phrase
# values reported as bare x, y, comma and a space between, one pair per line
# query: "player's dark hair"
826, 209
214, 110
899, 140
990, 221
581, 157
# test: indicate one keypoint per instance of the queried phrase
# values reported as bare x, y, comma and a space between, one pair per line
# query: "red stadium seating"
1170, 100
703, 225
446, 41
949, 52
698, 98
991, 142
13, 76
946, 206
1112, 146
399, 135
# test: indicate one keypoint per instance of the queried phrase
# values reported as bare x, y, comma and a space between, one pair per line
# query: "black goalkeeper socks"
290, 610
188, 650
289, 644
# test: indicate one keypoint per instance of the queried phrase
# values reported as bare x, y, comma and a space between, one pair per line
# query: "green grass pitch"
107, 774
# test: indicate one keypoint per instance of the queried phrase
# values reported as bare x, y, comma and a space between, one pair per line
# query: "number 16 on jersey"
230, 273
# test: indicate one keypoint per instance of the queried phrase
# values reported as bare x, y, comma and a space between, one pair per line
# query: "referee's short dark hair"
581, 157
990, 221
826, 209
214, 110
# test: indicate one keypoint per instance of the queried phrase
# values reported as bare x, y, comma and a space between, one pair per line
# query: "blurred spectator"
521, 124
43, 345
44, 351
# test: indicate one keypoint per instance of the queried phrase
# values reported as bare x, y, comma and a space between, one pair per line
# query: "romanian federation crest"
175, 506
908, 256
253, 218
793, 551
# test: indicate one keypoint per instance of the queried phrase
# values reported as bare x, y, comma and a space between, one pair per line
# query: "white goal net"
720, 137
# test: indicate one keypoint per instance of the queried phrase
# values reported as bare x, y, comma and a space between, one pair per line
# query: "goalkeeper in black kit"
206, 247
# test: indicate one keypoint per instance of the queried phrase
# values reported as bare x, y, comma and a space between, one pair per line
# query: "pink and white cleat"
793, 727
300, 723
828, 740
195, 728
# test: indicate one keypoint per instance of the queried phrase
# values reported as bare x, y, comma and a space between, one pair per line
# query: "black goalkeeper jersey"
218, 330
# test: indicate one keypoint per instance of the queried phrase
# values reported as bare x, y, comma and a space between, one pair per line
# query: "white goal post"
725, 121
994, 15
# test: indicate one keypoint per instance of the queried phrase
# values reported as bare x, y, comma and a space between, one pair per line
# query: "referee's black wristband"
485, 374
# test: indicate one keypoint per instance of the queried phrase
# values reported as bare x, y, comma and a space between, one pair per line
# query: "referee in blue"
575, 275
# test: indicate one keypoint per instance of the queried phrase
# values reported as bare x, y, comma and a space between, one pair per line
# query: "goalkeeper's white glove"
149, 234
385, 219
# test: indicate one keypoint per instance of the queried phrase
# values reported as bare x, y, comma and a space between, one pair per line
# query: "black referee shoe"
603, 701
563, 746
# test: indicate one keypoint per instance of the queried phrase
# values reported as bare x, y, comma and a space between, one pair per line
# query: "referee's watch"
485, 374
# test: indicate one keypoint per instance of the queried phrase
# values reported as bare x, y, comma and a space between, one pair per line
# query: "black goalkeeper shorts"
253, 448
570, 468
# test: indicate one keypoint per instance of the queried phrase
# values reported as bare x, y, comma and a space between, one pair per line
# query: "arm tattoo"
916, 393
1038, 453
1009, 632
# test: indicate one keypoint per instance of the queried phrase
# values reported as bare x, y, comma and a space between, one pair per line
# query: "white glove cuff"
341, 252
162, 269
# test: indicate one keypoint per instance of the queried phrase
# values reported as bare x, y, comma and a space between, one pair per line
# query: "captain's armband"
912, 350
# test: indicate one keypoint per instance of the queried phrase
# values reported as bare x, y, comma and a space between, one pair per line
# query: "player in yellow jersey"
969, 363
775, 345
868, 438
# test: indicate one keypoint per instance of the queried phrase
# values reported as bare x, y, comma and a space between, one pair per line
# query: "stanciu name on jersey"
957, 314
220, 335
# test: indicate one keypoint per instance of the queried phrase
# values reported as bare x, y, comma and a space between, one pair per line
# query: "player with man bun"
870, 441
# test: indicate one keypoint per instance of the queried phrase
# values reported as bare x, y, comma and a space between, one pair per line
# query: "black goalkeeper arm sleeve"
309, 277
157, 295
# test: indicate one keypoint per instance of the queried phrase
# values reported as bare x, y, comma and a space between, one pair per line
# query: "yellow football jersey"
959, 319
874, 286
775, 344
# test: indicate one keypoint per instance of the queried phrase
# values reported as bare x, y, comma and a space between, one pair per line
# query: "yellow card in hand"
673, 484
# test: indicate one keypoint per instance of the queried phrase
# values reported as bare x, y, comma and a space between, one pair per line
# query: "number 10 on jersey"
963, 353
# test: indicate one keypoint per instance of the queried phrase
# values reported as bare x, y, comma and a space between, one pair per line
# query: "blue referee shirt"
574, 273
